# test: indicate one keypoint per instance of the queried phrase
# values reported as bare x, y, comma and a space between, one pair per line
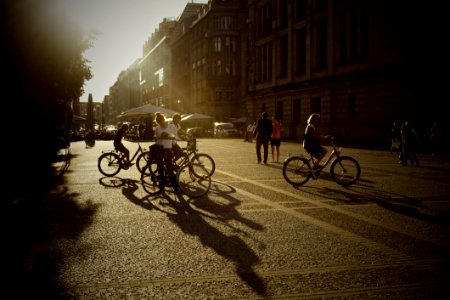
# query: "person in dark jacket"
262, 133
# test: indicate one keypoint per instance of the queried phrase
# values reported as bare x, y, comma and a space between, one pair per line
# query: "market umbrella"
196, 117
145, 110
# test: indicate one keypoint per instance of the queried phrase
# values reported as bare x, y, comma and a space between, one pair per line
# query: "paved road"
254, 236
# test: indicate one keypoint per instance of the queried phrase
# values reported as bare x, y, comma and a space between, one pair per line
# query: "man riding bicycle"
121, 133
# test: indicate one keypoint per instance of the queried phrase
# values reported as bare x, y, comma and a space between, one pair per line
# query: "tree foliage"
44, 71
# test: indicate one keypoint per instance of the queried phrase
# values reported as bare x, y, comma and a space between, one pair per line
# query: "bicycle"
193, 179
199, 158
110, 162
191, 150
344, 170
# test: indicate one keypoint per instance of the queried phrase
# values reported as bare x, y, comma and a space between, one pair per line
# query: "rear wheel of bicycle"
204, 160
296, 170
194, 180
142, 160
109, 164
149, 181
345, 170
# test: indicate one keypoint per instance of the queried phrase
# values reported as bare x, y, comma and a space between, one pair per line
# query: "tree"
45, 71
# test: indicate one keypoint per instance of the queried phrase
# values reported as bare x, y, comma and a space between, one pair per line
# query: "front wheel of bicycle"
149, 180
194, 180
296, 170
206, 161
345, 170
142, 160
109, 164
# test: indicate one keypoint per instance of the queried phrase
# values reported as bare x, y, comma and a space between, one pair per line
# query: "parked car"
225, 130
200, 132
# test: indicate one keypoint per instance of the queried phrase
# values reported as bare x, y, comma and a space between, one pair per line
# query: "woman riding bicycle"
311, 141
165, 135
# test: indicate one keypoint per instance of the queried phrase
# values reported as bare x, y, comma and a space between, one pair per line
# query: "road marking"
324, 205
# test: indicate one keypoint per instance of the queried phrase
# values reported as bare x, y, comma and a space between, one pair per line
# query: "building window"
352, 35
319, 6
231, 68
296, 115
230, 43
300, 54
299, 10
264, 20
320, 44
351, 107
218, 96
283, 56
316, 105
279, 110
217, 44
283, 13
217, 68
264, 62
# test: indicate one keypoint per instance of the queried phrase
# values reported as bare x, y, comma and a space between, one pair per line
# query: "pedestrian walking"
275, 139
262, 133
409, 144
395, 138
435, 139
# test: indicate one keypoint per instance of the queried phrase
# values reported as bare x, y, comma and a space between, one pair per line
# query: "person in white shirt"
165, 135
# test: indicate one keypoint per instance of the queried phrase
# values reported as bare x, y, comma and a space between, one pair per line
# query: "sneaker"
258, 162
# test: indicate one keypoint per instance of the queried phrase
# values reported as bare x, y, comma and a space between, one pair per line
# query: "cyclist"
165, 135
311, 141
121, 133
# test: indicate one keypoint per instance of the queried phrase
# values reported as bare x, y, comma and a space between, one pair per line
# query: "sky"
125, 25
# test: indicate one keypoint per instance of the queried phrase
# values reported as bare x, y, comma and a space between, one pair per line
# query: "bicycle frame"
333, 154
138, 151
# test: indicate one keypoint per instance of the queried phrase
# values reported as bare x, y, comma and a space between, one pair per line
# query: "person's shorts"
316, 151
275, 142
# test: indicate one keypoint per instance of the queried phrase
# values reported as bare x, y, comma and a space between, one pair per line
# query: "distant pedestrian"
262, 133
395, 138
275, 139
249, 132
409, 144
435, 139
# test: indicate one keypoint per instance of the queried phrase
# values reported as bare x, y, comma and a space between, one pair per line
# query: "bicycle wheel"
194, 180
142, 160
296, 170
206, 161
345, 170
149, 181
109, 164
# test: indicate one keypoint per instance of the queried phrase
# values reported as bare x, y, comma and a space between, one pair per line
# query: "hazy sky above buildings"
124, 27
